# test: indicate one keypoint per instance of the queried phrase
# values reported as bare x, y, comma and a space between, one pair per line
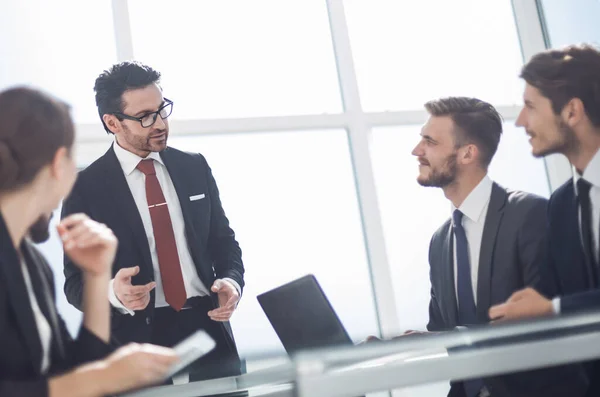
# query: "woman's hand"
130, 367
90, 245
137, 365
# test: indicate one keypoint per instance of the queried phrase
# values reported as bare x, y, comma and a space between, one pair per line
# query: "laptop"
302, 316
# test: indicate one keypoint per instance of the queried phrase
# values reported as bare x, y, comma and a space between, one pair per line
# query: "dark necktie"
587, 236
166, 248
467, 311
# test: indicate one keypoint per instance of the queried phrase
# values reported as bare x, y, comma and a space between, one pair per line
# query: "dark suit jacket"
101, 192
20, 346
511, 252
566, 273
566, 269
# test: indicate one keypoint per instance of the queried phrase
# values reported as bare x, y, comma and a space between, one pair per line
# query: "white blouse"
41, 322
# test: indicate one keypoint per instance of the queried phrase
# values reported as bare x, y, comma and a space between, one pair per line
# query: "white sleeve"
556, 305
115, 302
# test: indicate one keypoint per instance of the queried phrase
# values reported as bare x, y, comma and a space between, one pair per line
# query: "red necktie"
166, 249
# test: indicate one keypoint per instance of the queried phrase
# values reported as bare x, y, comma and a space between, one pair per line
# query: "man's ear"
111, 122
468, 154
573, 112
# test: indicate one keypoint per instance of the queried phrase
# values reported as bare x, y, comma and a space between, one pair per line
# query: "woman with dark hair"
37, 355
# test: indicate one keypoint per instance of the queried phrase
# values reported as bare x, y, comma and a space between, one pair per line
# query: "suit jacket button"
148, 320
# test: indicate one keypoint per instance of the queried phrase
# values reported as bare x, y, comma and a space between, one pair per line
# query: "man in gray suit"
491, 246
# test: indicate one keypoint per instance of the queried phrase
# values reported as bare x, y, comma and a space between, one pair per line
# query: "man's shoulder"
441, 231
566, 191
182, 155
97, 166
519, 199
561, 201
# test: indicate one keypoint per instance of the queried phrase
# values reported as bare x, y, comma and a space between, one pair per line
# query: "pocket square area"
197, 197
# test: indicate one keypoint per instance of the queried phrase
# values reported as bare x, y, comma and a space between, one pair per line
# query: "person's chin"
539, 151
423, 180
159, 145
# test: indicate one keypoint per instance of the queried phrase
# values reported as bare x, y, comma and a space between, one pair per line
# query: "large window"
408, 52
571, 22
60, 46
239, 58
291, 200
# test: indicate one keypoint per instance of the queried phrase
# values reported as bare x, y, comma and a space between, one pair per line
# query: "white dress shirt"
474, 208
43, 327
137, 184
592, 175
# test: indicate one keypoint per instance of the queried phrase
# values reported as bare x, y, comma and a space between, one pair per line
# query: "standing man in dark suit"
562, 115
492, 244
178, 267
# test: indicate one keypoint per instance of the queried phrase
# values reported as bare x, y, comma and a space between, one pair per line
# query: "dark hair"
34, 126
567, 73
476, 121
121, 77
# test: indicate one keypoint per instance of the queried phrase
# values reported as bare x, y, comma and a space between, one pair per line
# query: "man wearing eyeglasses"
178, 267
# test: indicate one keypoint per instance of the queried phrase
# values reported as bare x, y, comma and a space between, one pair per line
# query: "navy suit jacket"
101, 192
566, 272
512, 248
20, 345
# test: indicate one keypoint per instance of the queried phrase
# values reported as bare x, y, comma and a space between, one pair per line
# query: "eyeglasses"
148, 119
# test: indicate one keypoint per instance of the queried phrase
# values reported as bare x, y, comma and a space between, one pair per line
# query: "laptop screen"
302, 316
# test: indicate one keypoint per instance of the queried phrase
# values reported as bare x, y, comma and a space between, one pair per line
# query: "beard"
565, 143
440, 176
39, 232
147, 143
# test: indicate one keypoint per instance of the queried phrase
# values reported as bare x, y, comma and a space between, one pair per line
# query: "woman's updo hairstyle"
33, 126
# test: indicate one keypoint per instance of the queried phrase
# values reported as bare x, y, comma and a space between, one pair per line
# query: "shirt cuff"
556, 305
115, 302
235, 284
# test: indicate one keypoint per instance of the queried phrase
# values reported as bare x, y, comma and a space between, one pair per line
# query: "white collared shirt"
136, 180
592, 175
474, 208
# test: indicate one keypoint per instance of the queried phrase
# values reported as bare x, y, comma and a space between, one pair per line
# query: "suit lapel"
449, 292
18, 297
176, 173
43, 294
488, 242
117, 185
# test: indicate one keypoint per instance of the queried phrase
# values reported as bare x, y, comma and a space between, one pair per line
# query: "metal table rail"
420, 359
275, 381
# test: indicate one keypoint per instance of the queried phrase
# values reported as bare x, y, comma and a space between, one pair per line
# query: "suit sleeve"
532, 242
87, 346
224, 248
436, 322
582, 301
22, 385
548, 284
435, 315
73, 278
24, 388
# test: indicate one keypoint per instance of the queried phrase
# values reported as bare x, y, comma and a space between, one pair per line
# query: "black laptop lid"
302, 316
